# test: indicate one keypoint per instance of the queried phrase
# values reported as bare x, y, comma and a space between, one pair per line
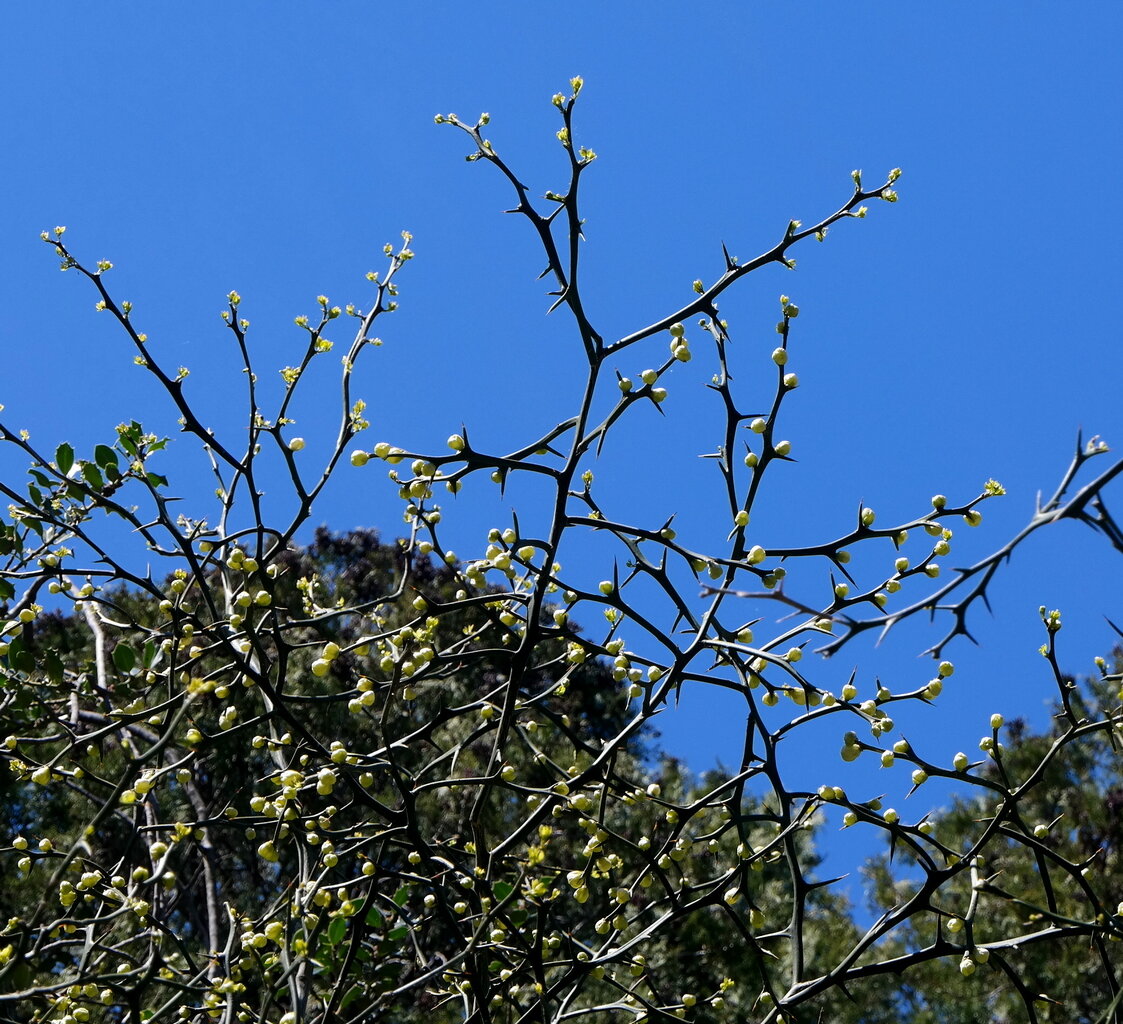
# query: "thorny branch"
354, 782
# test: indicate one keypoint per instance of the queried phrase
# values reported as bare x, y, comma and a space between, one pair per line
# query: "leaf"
128, 437
21, 660
7, 591
156, 480
397, 934
105, 456
353, 993
336, 930
402, 895
502, 890
53, 664
124, 657
92, 475
374, 918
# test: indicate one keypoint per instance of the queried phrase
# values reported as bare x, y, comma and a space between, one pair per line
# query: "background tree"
351, 783
1071, 805
352, 571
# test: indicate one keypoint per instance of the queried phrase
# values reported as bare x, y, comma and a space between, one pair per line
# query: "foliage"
360, 782
1072, 796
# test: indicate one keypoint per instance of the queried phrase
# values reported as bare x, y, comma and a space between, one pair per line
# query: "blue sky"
965, 332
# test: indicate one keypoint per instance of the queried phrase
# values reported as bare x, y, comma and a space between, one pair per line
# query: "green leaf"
336, 930
353, 993
402, 895
7, 591
19, 659
105, 456
502, 890
124, 657
22, 699
20, 976
374, 919
156, 480
397, 934
53, 664
92, 475
128, 436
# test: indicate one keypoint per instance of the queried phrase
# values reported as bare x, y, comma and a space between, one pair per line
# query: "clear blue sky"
964, 333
